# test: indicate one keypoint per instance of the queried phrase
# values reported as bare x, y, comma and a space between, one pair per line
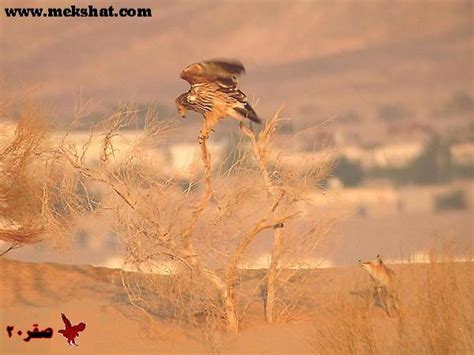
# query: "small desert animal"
214, 93
384, 284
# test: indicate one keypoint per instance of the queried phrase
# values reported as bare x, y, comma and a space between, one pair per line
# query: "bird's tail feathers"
247, 112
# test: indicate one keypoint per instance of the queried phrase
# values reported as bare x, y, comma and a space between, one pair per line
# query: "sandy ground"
39, 293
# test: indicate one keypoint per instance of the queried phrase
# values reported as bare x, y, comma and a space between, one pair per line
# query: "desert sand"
40, 292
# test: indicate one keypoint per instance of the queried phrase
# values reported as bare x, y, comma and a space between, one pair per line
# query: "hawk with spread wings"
71, 331
214, 93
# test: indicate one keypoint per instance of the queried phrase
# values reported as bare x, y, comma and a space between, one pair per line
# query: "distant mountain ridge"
320, 58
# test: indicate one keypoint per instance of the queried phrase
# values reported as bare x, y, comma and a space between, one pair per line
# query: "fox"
385, 284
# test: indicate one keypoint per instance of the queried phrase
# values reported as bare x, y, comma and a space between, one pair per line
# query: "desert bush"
199, 236
204, 232
345, 328
434, 316
39, 196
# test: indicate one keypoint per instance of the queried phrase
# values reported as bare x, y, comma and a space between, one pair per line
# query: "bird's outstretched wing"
222, 71
66, 321
80, 327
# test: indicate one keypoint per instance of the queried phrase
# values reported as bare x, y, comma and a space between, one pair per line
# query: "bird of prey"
214, 93
71, 331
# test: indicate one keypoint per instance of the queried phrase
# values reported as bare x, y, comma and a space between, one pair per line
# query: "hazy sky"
323, 57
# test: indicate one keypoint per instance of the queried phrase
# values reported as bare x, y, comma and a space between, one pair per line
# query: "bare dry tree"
295, 191
160, 222
199, 235
259, 146
38, 197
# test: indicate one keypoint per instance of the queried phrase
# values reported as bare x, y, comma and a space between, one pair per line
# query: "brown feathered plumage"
214, 92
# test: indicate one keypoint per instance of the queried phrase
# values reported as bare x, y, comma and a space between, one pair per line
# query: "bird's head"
180, 105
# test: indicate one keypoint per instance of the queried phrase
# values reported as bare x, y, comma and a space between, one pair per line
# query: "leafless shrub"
202, 234
344, 328
436, 319
186, 247
290, 190
38, 197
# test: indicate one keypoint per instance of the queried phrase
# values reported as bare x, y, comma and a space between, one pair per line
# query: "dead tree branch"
260, 147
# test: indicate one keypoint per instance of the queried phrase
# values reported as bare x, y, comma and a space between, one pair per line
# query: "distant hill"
322, 59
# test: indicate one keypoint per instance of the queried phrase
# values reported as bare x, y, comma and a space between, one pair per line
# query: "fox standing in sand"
385, 283
214, 93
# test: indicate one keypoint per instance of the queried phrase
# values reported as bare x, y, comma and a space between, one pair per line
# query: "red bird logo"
71, 331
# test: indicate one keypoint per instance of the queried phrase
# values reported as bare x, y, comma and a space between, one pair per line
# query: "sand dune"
39, 292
